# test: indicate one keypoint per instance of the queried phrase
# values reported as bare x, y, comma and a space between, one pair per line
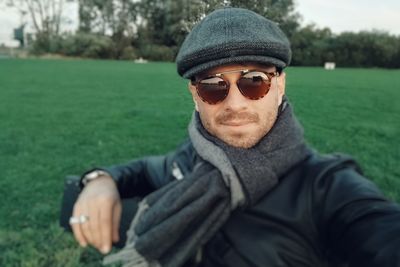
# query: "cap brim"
232, 60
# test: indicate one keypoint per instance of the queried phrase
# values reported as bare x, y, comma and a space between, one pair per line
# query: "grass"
60, 117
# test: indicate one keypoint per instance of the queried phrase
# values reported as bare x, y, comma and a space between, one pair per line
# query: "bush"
156, 52
128, 53
87, 45
44, 43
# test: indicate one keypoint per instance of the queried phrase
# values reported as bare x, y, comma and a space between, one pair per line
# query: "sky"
351, 15
10, 19
338, 15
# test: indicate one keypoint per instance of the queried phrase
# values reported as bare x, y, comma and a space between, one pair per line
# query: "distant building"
19, 35
330, 65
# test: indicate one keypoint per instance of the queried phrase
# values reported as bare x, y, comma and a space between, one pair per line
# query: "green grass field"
63, 117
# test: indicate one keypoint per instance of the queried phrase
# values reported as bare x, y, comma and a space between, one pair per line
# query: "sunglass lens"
212, 90
254, 85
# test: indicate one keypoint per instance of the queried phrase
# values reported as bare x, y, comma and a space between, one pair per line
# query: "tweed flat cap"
232, 35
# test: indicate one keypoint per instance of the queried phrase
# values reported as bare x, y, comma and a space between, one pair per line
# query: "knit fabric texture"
175, 221
232, 35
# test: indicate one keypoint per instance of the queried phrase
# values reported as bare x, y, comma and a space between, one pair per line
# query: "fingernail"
105, 249
83, 245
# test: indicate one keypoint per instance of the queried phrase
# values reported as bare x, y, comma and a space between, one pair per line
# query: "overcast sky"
352, 15
338, 15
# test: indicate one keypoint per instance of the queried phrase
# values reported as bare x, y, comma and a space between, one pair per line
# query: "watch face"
92, 175
96, 174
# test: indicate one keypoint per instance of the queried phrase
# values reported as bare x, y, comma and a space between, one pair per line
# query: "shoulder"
330, 182
316, 190
319, 166
339, 174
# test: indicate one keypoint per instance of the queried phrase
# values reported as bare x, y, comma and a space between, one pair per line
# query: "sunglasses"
252, 84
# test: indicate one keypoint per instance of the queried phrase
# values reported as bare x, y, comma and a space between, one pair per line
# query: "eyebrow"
219, 74
245, 68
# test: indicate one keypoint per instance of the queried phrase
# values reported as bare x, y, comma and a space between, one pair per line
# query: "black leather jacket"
322, 213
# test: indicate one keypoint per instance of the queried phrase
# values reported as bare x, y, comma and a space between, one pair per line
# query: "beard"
240, 139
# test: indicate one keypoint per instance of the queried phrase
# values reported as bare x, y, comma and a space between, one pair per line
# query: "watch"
93, 175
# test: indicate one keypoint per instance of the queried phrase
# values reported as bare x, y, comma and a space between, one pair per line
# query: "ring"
78, 220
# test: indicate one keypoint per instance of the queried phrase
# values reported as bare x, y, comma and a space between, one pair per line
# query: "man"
245, 190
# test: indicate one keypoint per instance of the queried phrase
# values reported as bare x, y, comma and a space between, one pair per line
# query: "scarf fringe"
130, 257
131, 235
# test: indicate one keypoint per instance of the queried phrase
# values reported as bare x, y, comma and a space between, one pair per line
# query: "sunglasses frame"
195, 81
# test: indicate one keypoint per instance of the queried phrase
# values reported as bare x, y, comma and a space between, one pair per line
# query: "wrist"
94, 175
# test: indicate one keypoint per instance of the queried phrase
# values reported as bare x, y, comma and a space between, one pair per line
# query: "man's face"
237, 120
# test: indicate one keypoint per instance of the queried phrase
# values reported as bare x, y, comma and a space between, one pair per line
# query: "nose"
235, 101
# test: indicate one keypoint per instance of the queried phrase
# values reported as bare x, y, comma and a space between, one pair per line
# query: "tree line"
155, 29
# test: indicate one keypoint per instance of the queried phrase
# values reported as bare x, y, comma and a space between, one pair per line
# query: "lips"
236, 123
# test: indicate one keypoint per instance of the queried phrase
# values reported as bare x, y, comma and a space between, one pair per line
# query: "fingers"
117, 211
91, 229
97, 230
76, 229
105, 222
100, 202
102, 227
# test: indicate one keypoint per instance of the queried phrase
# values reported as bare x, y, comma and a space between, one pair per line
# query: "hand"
101, 203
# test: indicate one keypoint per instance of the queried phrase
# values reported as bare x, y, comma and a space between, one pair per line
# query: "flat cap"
232, 35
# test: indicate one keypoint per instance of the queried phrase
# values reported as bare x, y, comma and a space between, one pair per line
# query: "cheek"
205, 112
268, 106
275, 96
207, 116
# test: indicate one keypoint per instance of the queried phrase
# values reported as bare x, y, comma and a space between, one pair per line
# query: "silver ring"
83, 218
78, 220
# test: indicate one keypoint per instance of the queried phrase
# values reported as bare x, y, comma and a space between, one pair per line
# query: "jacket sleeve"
142, 176
355, 220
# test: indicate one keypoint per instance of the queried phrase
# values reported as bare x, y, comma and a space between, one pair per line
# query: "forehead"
231, 67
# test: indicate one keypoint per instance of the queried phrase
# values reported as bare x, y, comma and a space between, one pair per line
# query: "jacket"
322, 213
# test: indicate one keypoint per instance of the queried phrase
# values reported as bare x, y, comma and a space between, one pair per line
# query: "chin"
241, 137
241, 141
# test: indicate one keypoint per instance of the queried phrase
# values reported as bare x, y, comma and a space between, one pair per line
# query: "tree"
46, 18
45, 15
114, 18
367, 49
107, 17
158, 27
312, 46
280, 11
165, 23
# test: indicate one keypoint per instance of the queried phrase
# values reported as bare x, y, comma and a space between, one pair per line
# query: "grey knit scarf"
172, 223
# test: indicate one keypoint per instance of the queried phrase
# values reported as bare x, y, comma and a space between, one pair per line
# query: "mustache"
228, 116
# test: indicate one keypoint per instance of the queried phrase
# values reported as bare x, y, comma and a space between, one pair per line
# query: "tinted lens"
254, 85
212, 90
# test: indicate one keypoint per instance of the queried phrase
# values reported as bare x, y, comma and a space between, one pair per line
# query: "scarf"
172, 223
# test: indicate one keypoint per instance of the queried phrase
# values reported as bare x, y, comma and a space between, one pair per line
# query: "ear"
281, 86
193, 91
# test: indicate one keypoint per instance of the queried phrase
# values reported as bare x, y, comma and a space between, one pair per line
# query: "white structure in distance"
330, 65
